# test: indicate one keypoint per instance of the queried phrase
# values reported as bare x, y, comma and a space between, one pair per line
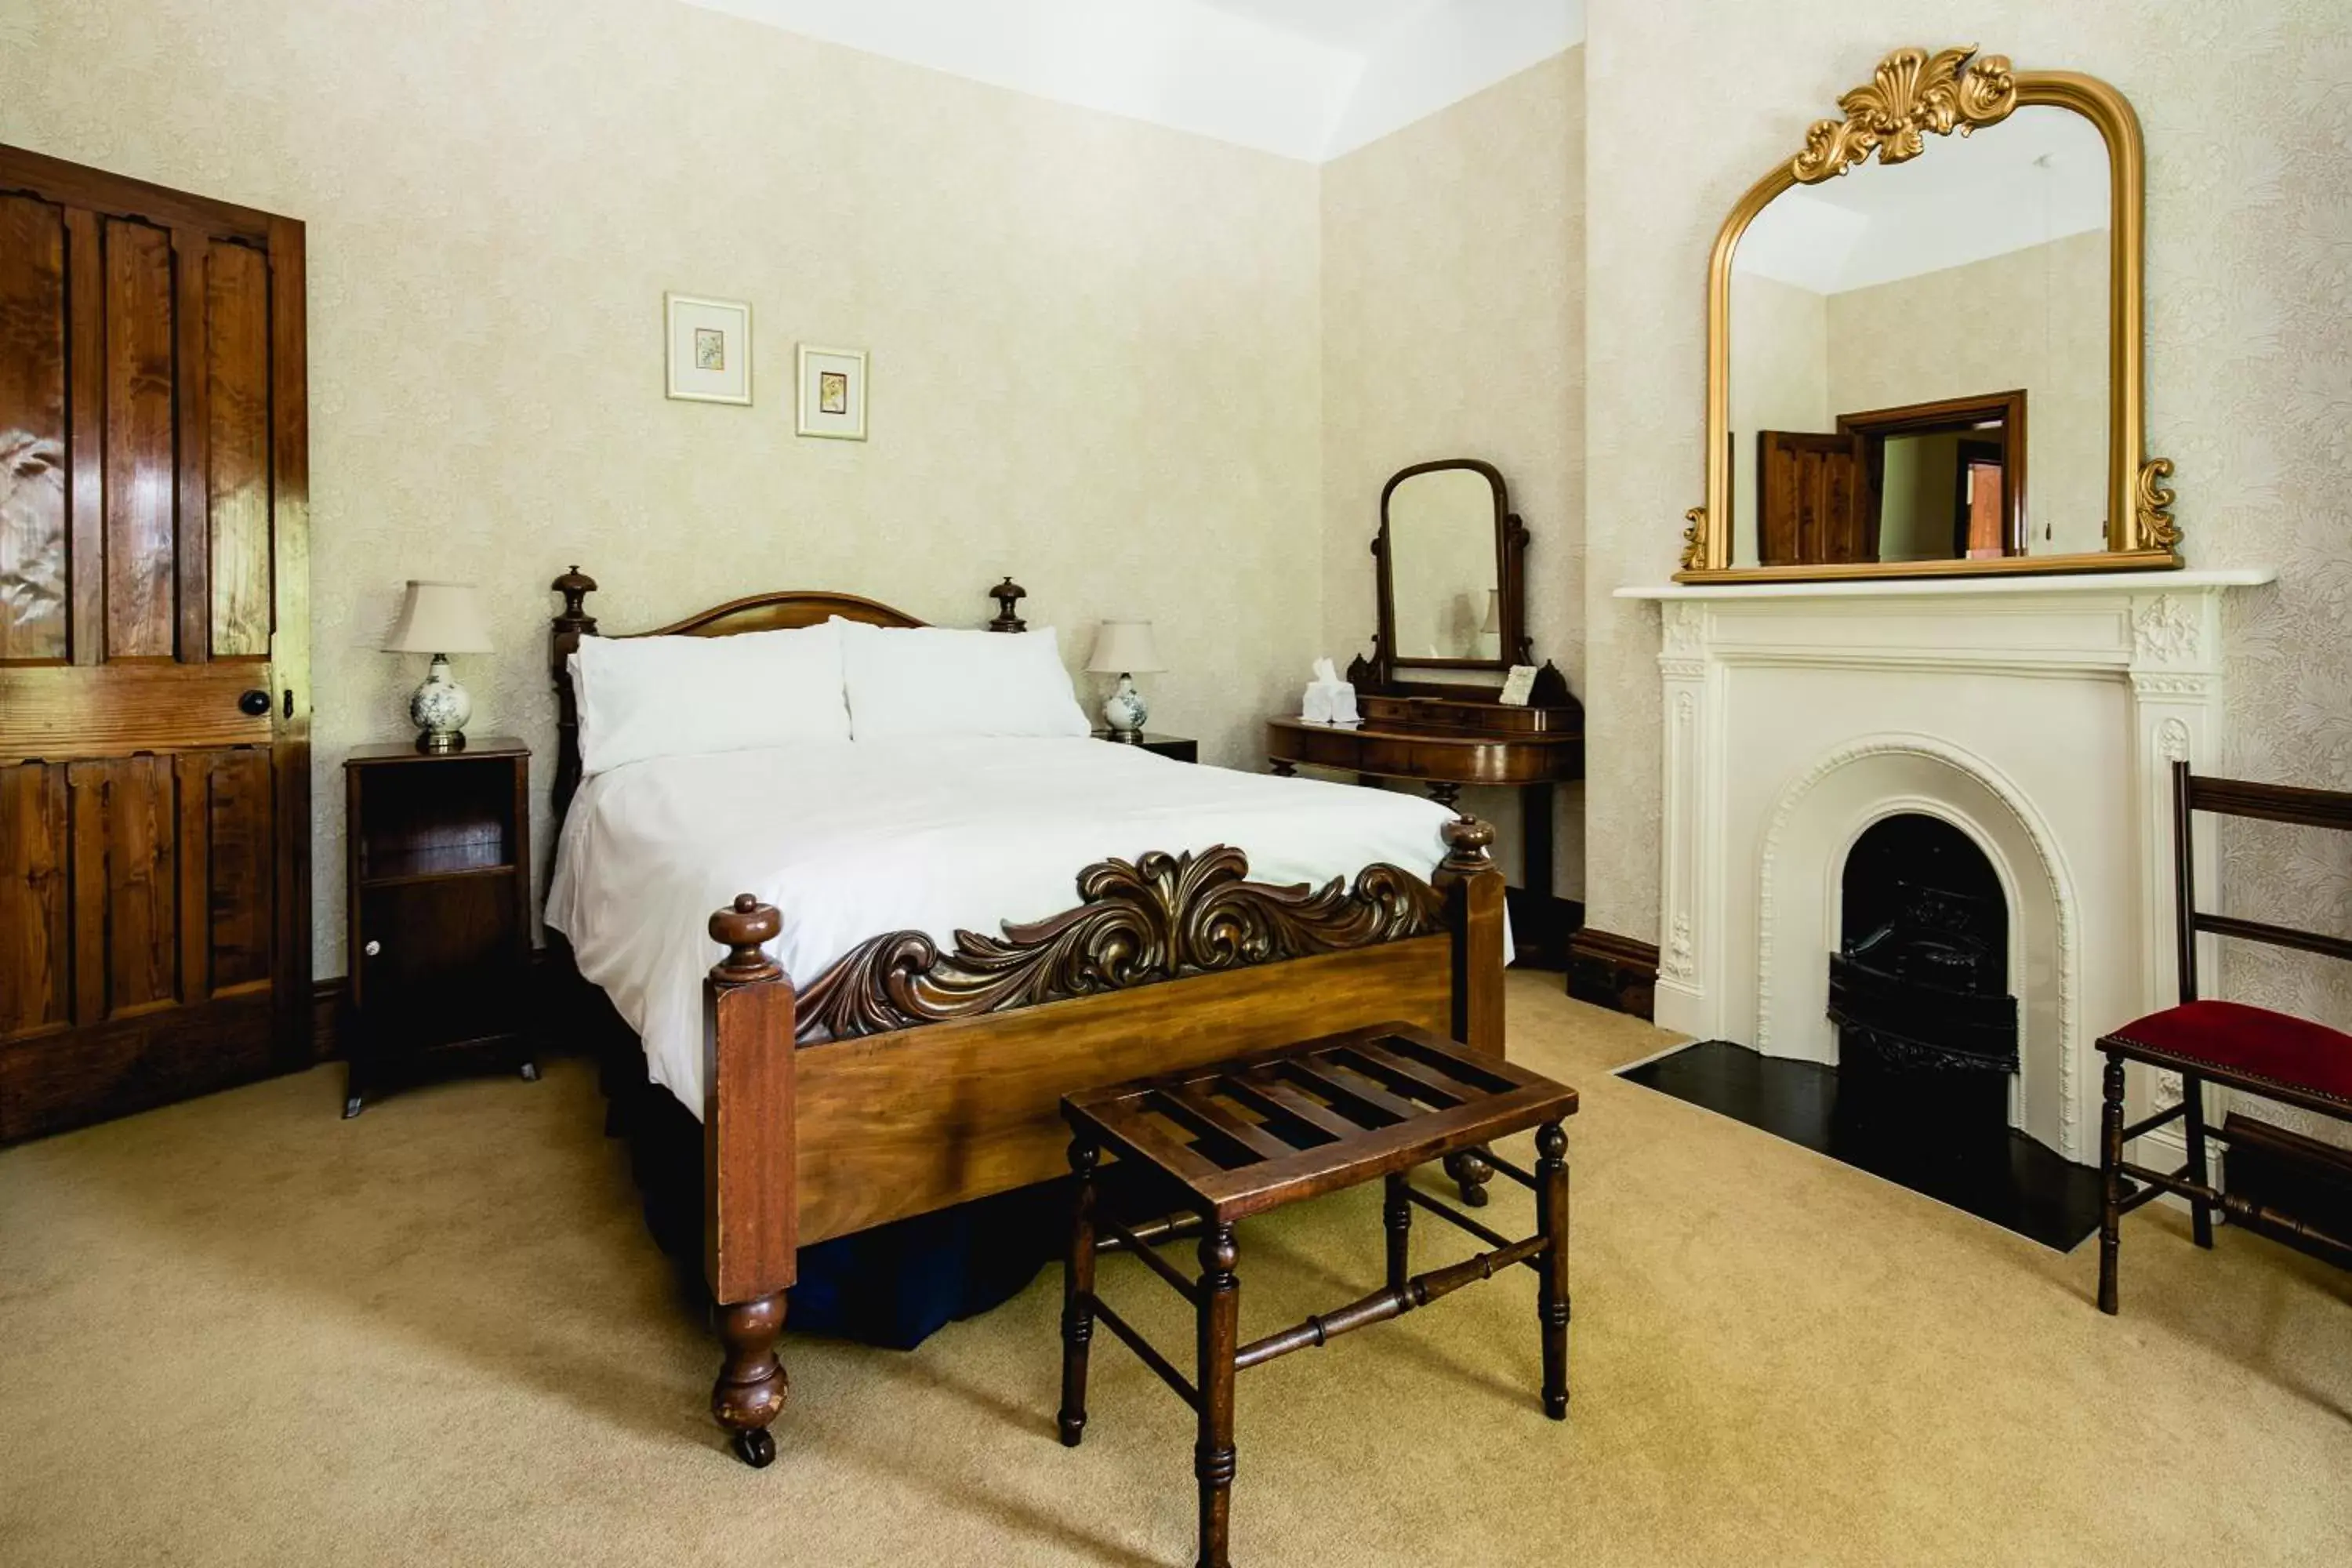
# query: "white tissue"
1329, 700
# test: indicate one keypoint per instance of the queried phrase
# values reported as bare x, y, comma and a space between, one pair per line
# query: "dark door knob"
254, 704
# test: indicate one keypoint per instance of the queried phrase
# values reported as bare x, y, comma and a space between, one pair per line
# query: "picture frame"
709, 348
832, 393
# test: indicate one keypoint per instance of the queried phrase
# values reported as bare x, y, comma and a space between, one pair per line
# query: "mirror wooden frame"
1510, 557
1912, 95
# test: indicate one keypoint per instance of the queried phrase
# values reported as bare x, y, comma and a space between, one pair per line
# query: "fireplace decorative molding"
2038, 716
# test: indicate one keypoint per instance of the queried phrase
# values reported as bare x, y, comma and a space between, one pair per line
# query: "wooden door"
1812, 500
154, 687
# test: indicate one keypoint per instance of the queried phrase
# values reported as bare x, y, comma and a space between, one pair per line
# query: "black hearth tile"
2008, 1178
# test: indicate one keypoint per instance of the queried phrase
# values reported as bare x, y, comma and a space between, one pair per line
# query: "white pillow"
666, 697
927, 681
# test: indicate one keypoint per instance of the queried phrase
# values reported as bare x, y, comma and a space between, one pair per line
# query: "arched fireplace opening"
1919, 992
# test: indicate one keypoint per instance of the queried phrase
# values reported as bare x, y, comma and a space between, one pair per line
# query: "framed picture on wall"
709, 349
832, 393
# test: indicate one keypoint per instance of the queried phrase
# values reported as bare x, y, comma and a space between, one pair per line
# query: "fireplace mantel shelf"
2026, 582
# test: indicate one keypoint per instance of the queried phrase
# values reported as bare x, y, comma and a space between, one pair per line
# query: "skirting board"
2287, 1186
1614, 972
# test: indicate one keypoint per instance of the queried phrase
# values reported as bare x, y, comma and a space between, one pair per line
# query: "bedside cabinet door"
445, 966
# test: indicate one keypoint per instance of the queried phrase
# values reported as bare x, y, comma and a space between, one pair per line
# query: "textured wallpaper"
2249, 364
1452, 327
1094, 343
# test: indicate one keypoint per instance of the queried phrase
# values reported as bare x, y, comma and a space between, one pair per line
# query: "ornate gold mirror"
1924, 338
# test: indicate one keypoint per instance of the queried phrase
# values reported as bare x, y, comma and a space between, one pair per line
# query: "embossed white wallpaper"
1452, 327
2249, 363
1095, 342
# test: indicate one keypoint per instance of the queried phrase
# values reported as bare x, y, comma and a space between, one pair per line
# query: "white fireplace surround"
2039, 716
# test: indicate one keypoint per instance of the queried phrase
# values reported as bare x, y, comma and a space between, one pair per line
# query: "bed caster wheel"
756, 1447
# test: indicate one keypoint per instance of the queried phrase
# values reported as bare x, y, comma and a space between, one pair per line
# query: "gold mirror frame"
1913, 94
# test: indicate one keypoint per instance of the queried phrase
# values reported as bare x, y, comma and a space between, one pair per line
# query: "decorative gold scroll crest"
1911, 94
1695, 538
2153, 506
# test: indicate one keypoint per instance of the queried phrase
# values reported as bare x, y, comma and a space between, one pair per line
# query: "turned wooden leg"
2111, 1181
1445, 795
1079, 1296
1471, 1173
752, 1386
1282, 769
1213, 1455
1552, 1296
2192, 1101
1397, 1212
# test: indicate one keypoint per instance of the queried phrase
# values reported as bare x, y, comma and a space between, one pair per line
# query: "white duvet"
852, 839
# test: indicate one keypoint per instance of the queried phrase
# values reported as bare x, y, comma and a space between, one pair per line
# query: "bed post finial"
1007, 594
745, 927
1467, 839
575, 585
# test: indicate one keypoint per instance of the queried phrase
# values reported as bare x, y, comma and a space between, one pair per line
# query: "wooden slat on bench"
1328, 1077
1186, 1103
1270, 1094
1124, 1120
1419, 1074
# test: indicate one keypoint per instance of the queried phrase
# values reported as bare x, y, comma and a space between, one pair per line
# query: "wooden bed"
904, 1079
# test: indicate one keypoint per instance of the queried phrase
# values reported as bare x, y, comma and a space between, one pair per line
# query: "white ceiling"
1306, 79
1354, 25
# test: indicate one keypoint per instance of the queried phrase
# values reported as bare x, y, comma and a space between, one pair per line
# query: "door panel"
1811, 499
154, 780
236, 489
32, 429
35, 957
142, 482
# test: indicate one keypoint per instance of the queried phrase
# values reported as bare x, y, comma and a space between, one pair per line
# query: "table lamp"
1123, 648
440, 618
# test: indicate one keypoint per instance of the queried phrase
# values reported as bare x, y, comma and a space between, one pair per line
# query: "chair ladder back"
2329, 809
2184, 871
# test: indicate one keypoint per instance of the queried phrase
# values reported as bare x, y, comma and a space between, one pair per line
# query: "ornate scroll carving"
1695, 538
1162, 917
2152, 504
1911, 93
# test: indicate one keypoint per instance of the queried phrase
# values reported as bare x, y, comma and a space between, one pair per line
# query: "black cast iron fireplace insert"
1928, 1044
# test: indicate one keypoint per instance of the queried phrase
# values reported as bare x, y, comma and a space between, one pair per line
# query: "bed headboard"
756, 613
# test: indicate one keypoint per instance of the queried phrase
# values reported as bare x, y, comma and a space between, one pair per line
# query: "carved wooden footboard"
905, 1079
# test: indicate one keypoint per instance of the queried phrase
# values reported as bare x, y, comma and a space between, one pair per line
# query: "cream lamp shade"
440, 617
1125, 648
1494, 621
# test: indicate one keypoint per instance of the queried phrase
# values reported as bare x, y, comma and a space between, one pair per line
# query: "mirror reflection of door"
1812, 505
1933, 482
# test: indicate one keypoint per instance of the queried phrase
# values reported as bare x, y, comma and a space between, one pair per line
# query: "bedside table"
1174, 747
438, 846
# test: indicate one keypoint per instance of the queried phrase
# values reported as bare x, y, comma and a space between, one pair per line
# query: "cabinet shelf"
449, 874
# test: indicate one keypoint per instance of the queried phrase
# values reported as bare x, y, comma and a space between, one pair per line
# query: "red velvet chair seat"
2255, 1041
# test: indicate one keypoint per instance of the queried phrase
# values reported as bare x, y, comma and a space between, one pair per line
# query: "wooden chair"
2273, 1055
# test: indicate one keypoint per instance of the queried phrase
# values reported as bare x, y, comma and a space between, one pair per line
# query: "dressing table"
1450, 559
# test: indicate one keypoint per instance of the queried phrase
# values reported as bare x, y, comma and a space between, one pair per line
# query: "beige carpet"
242, 1332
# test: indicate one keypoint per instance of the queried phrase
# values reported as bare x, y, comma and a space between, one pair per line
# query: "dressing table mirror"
1924, 339
1451, 610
